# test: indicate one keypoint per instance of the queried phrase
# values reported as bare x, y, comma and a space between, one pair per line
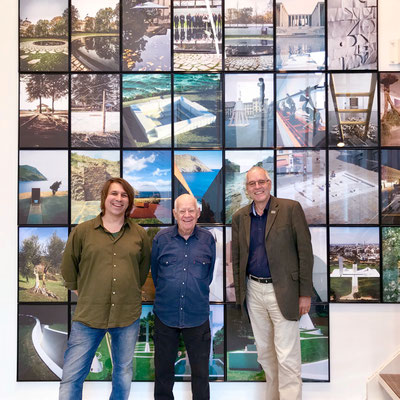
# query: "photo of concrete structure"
249, 110
390, 187
237, 163
300, 110
353, 110
301, 176
353, 187
146, 35
352, 35
300, 35
95, 35
391, 264
90, 169
248, 32
354, 264
390, 108
43, 187
147, 110
43, 35
197, 35
149, 173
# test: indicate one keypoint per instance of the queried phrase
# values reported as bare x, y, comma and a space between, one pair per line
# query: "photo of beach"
43, 187
149, 173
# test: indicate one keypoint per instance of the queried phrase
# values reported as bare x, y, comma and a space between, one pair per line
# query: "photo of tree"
95, 115
146, 35
300, 35
197, 110
43, 35
199, 173
354, 264
42, 340
390, 187
95, 35
89, 171
146, 110
249, 44
390, 108
43, 110
300, 114
197, 35
353, 187
40, 252
249, 110
237, 163
43, 187
391, 264
149, 173
301, 176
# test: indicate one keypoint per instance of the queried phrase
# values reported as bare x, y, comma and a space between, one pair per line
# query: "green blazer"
289, 252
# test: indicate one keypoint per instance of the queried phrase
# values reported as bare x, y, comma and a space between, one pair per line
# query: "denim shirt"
182, 271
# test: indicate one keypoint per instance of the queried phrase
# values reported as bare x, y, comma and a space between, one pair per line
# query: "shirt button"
112, 305
184, 269
183, 283
185, 255
181, 308
114, 279
115, 254
114, 265
113, 292
182, 296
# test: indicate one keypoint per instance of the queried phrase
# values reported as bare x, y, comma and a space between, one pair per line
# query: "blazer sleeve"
236, 256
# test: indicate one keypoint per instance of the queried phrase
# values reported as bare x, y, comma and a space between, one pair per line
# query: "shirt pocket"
200, 267
167, 266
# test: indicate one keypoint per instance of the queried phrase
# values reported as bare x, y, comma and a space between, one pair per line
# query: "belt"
260, 280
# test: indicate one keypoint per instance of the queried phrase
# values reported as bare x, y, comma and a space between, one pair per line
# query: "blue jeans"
82, 345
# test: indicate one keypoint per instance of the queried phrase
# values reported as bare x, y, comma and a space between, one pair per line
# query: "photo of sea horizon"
300, 35
197, 110
147, 110
249, 35
95, 115
237, 163
90, 169
353, 187
390, 264
390, 187
43, 187
320, 278
43, 110
146, 35
39, 264
354, 264
199, 173
300, 110
249, 110
149, 173
301, 176
42, 340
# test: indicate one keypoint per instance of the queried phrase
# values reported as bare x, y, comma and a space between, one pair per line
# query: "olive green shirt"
108, 272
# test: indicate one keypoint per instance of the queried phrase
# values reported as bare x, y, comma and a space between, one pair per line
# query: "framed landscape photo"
390, 264
390, 180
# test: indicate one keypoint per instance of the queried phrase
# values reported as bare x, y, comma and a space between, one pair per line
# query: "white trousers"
277, 341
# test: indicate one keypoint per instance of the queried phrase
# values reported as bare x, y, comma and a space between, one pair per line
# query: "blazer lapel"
272, 213
247, 222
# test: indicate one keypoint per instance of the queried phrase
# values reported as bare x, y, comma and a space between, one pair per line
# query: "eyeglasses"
261, 182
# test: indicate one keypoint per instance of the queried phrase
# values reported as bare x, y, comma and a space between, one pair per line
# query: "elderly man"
106, 262
182, 264
272, 263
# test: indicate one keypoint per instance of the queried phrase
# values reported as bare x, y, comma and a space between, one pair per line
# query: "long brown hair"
128, 189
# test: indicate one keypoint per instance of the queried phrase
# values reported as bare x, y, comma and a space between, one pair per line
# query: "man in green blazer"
272, 267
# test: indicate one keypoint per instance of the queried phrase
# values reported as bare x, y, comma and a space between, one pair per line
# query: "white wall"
362, 336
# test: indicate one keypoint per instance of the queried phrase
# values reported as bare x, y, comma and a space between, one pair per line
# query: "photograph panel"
43, 35
354, 259
95, 35
90, 169
229, 284
95, 115
390, 187
146, 110
390, 108
149, 173
197, 35
353, 187
352, 34
217, 284
300, 114
42, 340
301, 176
320, 268
199, 173
300, 35
198, 110
391, 264
43, 187
237, 163
40, 252
146, 35
249, 110
249, 35
353, 110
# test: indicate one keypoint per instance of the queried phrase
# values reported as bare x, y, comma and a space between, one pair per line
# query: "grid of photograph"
185, 96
